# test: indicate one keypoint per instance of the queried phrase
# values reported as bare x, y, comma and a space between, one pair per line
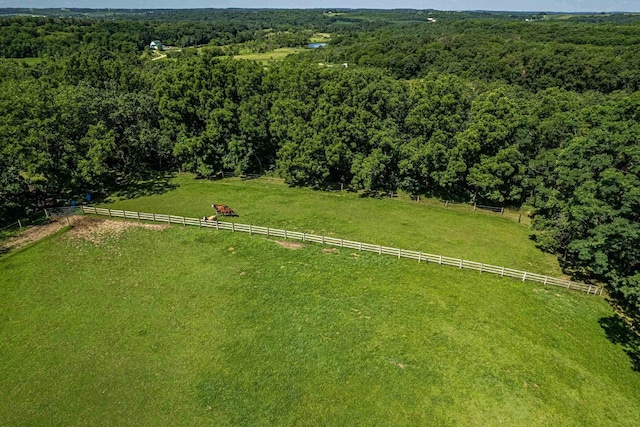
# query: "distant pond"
316, 45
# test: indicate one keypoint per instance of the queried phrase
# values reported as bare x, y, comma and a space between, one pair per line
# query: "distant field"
274, 55
196, 327
30, 61
480, 237
320, 37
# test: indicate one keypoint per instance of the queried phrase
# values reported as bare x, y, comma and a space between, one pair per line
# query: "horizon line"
327, 9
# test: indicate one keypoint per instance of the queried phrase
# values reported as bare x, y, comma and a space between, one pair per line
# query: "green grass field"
29, 61
273, 55
320, 37
482, 237
194, 327
184, 326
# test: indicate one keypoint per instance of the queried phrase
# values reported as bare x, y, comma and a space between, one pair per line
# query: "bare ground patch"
330, 250
33, 234
289, 245
96, 230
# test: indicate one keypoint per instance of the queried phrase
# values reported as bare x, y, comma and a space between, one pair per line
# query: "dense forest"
492, 108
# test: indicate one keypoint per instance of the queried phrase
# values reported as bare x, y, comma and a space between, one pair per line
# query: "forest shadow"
148, 186
618, 332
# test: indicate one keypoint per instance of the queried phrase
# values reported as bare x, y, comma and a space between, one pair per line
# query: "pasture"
113, 323
183, 326
29, 61
270, 56
480, 236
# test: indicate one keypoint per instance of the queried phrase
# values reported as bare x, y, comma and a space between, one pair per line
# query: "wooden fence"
35, 218
381, 250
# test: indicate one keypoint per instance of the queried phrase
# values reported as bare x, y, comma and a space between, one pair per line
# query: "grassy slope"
478, 237
187, 326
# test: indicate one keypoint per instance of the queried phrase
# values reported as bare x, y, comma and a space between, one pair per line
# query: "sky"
504, 5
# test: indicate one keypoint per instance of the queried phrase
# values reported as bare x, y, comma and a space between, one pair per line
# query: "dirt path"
33, 234
84, 227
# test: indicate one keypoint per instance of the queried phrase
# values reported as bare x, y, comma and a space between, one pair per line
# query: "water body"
316, 45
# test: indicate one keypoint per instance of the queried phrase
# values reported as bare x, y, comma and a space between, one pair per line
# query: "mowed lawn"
480, 236
198, 327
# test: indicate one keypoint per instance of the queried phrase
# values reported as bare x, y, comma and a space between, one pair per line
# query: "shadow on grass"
618, 332
145, 187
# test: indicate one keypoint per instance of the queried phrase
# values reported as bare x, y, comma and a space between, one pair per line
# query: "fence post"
501, 211
46, 213
474, 207
285, 234
268, 232
322, 240
20, 224
109, 212
233, 226
359, 246
524, 276
153, 216
303, 236
546, 278
138, 213
446, 204
250, 230
399, 253
502, 272
440, 260
217, 227
379, 250
481, 267
589, 291
461, 261
184, 222
68, 223
342, 243
419, 257
519, 218
199, 222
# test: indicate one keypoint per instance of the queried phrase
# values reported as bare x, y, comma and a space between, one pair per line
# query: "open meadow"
115, 324
270, 56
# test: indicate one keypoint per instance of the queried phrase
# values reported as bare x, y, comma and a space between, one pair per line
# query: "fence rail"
325, 240
36, 218
497, 209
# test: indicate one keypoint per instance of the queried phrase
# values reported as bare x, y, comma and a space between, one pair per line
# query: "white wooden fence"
381, 250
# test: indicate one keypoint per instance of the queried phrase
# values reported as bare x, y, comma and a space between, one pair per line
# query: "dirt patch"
33, 234
289, 245
398, 364
330, 251
96, 230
